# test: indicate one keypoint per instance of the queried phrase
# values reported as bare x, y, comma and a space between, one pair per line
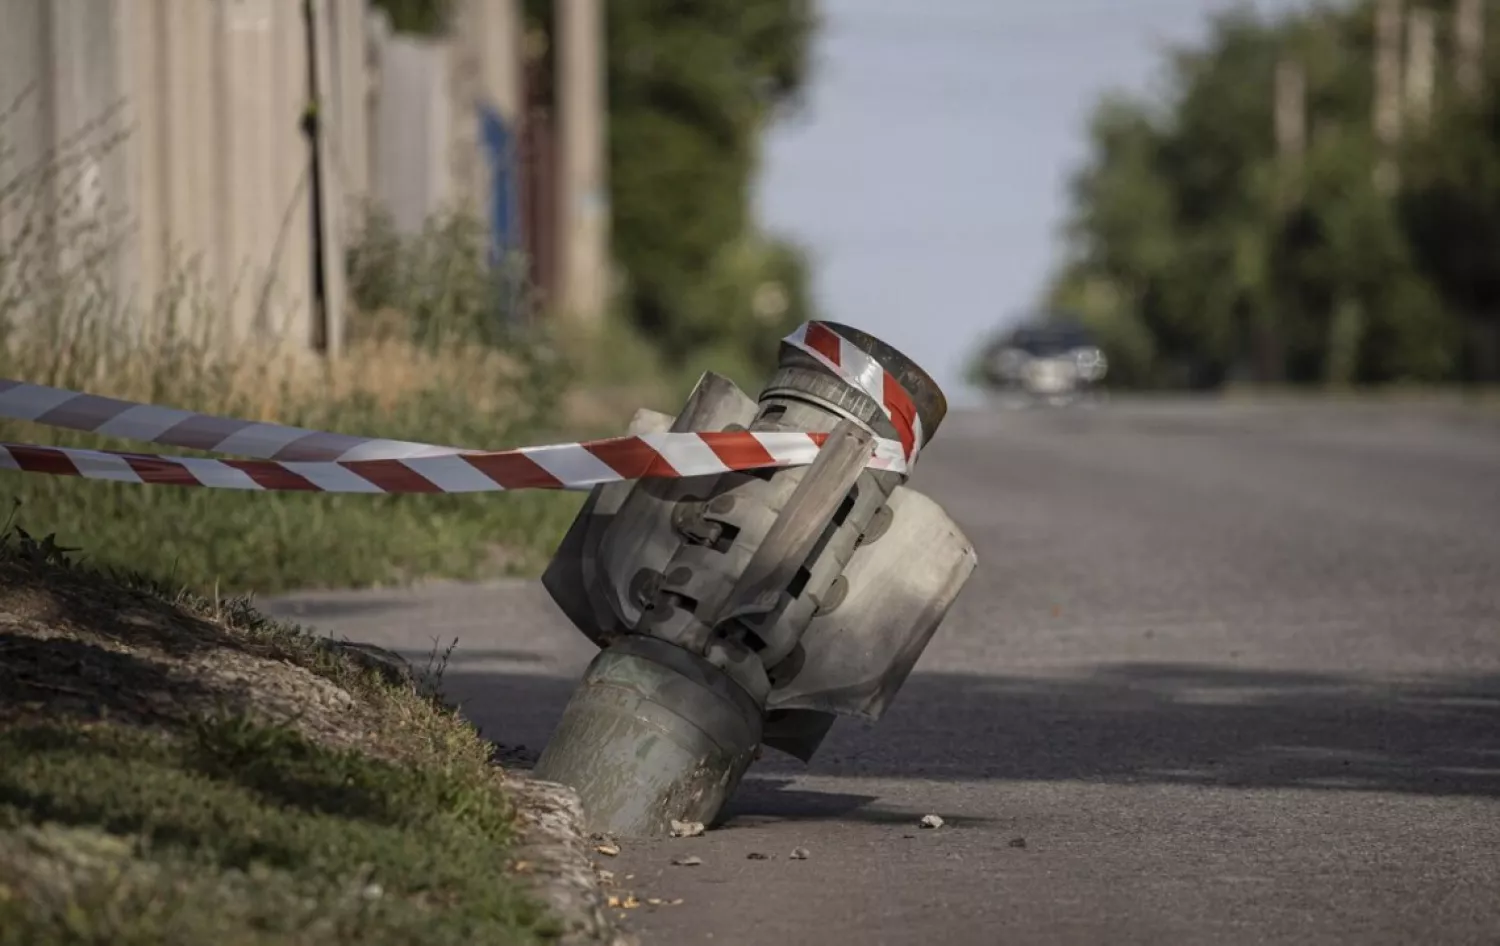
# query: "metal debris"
687, 829
608, 850
931, 821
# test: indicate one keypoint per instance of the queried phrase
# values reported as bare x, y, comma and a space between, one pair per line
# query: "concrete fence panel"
218, 183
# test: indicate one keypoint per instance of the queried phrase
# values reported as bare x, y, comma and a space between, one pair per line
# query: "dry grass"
454, 393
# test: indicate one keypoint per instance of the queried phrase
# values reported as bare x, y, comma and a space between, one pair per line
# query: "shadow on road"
1190, 724
1128, 723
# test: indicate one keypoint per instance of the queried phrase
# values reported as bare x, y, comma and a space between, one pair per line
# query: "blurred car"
1052, 361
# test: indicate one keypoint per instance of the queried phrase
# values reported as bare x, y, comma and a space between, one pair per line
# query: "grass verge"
181, 770
461, 395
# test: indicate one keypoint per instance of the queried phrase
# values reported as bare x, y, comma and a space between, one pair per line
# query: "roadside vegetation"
1224, 232
435, 354
178, 769
441, 347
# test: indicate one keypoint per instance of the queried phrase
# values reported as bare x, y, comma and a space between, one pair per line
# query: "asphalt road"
1225, 675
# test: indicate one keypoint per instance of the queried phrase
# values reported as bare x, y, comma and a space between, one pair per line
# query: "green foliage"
691, 88
1201, 254
424, 17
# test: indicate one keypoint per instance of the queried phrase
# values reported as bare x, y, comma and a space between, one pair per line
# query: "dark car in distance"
1053, 361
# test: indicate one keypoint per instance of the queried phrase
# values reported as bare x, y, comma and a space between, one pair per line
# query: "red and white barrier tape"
169, 426
865, 373
571, 466
296, 459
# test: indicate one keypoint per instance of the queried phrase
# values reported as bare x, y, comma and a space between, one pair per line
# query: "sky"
927, 173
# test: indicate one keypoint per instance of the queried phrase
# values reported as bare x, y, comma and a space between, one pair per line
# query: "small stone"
1017, 842
799, 854
608, 850
931, 821
675, 903
689, 861
655, 901
687, 829
606, 877
756, 856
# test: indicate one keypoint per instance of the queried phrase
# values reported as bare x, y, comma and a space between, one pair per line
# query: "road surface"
1224, 675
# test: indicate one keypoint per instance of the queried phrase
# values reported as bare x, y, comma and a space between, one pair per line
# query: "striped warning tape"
570, 466
864, 372
294, 458
169, 426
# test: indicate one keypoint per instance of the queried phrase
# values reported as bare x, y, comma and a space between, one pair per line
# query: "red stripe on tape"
273, 476
161, 471
633, 459
393, 476
512, 470
738, 451
43, 460
821, 339
903, 414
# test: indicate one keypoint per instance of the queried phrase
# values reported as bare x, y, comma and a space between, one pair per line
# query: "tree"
1200, 251
692, 86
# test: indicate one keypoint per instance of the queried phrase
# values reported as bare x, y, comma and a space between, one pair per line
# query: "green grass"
145, 800
273, 542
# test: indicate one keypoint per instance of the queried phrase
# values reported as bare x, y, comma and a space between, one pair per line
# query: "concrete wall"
213, 179
429, 154
412, 129
216, 175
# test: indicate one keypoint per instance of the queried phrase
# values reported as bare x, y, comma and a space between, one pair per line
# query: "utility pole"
1468, 45
583, 203
1421, 62
1291, 123
1387, 106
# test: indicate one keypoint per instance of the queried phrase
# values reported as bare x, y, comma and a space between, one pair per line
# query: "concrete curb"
559, 868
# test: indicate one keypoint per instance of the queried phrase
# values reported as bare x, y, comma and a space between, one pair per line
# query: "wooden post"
1468, 46
1291, 125
1387, 107
581, 102
327, 190
1421, 61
